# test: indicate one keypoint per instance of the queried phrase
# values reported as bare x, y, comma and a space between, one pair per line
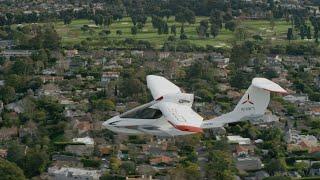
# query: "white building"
85, 140
296, 98
294, 136
68, 173
238, 140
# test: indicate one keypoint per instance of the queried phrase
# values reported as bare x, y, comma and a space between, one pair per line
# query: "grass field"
71, 34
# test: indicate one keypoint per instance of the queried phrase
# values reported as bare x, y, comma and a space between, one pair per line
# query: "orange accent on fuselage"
187, 128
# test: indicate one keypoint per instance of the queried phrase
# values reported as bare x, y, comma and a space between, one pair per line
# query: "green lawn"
71, 34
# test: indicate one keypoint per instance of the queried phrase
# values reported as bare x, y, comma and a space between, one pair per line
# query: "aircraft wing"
160, 86
182, 117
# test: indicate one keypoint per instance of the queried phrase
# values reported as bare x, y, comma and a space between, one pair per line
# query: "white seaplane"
171, 114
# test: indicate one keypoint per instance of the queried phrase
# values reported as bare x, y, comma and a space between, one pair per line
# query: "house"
112, 65
105, 150
109, 76
185, 62
242, 151
65, 160
16, 53
248, 163
71, 53
238, 140
8, 133
48, 71
160, 160
6, 44
294, 137
3, 153
80, 150
52, 79
1, 106
142, 177
219, 60
30, 128
146, 169
297, 142
267, 118
163, 55
81, 146
73, 113
155, 146
86, 140
314, 171
49, 90
317, 81
82, 126
16, 107
314, 111
198, 56
259, 175
297, 98
137, 53
69, 173
150, 54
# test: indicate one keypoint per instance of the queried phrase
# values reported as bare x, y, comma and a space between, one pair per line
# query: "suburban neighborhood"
58, 85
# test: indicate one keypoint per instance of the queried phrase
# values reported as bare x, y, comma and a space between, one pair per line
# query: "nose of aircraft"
111, 122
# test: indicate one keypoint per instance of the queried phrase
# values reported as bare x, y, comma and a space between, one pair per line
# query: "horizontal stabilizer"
268, 85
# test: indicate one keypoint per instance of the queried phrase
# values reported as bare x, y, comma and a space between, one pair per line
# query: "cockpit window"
146, 113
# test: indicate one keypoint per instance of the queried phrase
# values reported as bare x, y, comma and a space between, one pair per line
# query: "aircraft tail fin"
252, 104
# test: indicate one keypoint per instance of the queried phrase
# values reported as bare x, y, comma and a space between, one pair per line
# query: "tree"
183, 36
51, 39
9, 171
119, 32
165, 28
202, 29
220, 165
290, 34
185, 15
216, 18
36, 162
240, 55
316, 35
230, 25
301, 167
187, 171
16, 153
129, 167
302, 31
182, 29
115, 164
174, 29
107, 20
104, 105
271, 73
134, 30
276, 165
98, 19
241, 33
214, 30
67, 19
309, 32
7, 94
